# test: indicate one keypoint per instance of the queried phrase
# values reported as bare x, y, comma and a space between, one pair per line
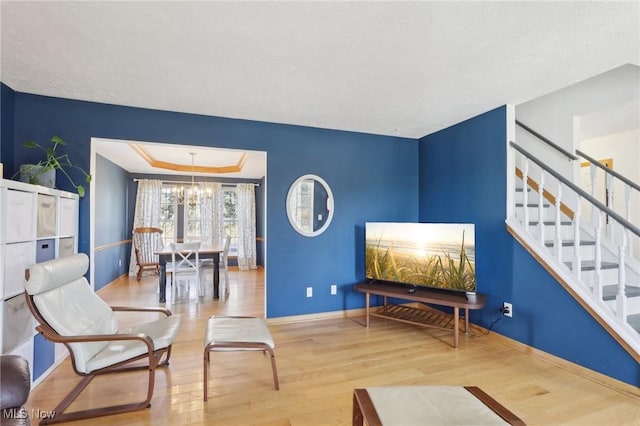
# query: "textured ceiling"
392, 68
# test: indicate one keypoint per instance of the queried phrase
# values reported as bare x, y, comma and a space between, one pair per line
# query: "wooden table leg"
216, 275
466, 320
456, 325
162, 279
366, 309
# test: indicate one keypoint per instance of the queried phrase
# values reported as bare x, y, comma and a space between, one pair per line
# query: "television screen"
438, 255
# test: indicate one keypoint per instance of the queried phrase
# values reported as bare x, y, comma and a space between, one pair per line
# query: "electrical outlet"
507, 309
309, 291
334, 289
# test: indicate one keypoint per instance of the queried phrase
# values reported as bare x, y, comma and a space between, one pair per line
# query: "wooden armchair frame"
70, 312
154, 358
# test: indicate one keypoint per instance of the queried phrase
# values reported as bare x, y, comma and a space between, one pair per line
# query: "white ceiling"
392, 68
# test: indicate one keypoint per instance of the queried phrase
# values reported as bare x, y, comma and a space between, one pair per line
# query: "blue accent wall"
112, 256
463, 179
372, 178
7, 99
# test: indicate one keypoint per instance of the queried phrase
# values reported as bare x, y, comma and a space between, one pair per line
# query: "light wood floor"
320, 363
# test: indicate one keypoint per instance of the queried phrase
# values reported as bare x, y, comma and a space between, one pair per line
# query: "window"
192, 219
188, 220
230, 217
168, 216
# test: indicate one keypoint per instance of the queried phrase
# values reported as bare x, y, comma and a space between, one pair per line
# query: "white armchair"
70, 312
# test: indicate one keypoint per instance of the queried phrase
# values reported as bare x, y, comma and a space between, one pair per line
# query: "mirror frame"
330, 204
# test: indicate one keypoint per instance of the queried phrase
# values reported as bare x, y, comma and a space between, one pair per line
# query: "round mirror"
310, 205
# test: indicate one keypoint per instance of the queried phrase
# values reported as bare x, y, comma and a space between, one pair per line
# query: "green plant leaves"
57, 141
59, 162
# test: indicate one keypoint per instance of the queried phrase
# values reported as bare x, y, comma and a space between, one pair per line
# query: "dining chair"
185, 265
207, 264
146, 241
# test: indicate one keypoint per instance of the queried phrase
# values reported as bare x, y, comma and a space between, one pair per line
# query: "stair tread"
549, 222
569, 243
589, 265
532, 205
609, 291
634, 321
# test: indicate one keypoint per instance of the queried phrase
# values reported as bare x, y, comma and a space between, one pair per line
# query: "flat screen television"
434, 255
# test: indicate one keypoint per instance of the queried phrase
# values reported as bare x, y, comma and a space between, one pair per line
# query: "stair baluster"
541, 208
621, 299
558, 236
577, 261
597, 283
525, 195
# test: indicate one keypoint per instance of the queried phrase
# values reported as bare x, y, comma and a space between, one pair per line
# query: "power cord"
501, 313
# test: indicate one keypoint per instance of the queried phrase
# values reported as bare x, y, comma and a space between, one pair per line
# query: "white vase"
34, 174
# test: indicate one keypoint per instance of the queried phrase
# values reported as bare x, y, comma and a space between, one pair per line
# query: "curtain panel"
212, 213
246, 215
147, 211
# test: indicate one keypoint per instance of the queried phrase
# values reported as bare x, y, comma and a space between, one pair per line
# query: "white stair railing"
553, 233
631, 193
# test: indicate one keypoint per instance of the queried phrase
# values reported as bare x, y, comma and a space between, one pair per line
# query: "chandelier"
194, 195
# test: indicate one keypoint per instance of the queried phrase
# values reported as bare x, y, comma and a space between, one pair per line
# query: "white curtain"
212, 213
147, 211
246, 213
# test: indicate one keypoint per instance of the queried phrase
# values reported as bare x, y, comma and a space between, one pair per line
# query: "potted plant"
43, 173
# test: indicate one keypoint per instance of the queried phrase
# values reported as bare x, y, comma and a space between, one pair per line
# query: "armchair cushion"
65, 298
162, 331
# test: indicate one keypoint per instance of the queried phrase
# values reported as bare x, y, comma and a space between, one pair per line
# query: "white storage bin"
66, 247
46, 216
19, 221
17, 257
68, 224
17, 323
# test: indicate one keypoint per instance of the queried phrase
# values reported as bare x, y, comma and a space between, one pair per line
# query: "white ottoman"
237, 334
428, 405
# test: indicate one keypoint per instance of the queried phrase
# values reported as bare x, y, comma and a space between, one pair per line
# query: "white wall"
602, 105
624, 149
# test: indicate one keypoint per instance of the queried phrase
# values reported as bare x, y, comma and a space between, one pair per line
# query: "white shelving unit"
36, 224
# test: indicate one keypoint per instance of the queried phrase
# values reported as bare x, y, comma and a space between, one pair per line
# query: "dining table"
206, 251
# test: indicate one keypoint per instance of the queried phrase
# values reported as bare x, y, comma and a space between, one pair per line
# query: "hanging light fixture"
193, 196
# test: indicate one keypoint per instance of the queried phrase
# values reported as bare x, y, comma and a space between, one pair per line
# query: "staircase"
587, 246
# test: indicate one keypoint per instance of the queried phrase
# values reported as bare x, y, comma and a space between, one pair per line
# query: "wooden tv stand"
424, 317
